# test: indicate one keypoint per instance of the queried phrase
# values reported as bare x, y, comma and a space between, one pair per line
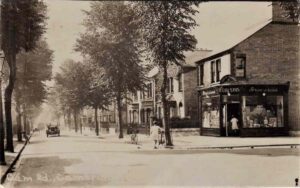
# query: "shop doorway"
233, 109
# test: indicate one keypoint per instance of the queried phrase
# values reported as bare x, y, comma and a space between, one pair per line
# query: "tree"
292, 9
71, 85
111, 40
99, 93
33, 69
165, 27
22, 24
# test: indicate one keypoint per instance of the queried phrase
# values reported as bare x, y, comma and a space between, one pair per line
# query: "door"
233, 110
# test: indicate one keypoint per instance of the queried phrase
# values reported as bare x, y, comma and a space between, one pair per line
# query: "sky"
221, 24
63, 28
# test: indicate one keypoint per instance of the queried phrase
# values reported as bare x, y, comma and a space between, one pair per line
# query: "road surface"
83, 161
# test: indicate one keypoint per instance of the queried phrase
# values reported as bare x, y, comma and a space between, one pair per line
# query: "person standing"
234, 125
154, 133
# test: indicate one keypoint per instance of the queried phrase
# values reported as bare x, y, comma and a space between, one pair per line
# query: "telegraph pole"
2, 151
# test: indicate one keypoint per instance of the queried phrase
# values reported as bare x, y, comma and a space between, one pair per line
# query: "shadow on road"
48, 171
268, 152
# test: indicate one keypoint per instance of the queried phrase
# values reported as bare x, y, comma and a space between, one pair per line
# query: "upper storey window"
240, 66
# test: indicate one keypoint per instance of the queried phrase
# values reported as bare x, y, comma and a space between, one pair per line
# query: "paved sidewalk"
206, 142
198, 142
11, 158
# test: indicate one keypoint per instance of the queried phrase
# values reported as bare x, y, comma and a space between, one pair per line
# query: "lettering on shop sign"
230, 90
210, 92
261, 90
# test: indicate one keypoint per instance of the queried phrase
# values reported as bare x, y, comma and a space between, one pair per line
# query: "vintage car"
53, 130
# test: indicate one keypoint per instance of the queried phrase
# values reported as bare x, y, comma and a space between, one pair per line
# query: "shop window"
212, 71
240, 66
263, 111
180, 82
210, 112
200, 76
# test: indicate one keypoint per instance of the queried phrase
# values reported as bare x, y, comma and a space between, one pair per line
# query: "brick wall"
273, 56
190, 93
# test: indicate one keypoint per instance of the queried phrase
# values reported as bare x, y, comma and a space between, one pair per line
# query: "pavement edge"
9, 169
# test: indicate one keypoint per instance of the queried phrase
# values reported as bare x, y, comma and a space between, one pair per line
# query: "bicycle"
134, 137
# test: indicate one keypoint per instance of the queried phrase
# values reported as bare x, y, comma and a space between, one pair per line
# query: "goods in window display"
266, 121
214, 118
273, 122
206, 120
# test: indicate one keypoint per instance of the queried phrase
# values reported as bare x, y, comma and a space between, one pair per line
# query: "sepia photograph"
149, 93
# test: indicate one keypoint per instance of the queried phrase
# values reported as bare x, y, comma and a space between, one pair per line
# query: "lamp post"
2, 152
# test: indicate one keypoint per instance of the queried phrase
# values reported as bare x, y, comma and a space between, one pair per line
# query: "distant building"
145, 105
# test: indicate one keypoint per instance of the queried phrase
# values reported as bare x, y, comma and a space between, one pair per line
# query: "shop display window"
262, 111
210, 112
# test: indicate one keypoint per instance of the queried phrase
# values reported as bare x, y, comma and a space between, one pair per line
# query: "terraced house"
146, 105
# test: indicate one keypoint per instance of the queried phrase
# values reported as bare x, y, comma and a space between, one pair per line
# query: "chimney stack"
279, 14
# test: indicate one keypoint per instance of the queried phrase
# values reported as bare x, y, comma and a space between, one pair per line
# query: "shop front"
259, 110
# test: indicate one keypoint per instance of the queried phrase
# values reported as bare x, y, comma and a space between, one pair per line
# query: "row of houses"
255, 79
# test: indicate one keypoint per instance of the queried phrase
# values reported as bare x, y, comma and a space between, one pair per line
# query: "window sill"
215, 83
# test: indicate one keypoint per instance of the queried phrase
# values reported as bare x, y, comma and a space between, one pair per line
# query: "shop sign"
229, 90
264, 89
209, 92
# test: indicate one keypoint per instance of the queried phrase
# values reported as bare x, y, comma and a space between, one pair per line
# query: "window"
218, 67
159, 112
210, 112
142, 94
200, 74
180, 82
135, 96
130, 119
170, 85
240, 66
212, 71
143, 116
149, 90
263, 111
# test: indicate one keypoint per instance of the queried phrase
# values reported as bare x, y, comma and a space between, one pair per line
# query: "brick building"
143, 105
256, 80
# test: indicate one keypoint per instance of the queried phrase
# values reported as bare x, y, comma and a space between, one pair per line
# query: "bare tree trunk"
96, 120
2, 152
75, 120
80, 122
7, 103
165, 105
25, 120
19, 120
119, 106
69, 120
10, 52
65, 119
